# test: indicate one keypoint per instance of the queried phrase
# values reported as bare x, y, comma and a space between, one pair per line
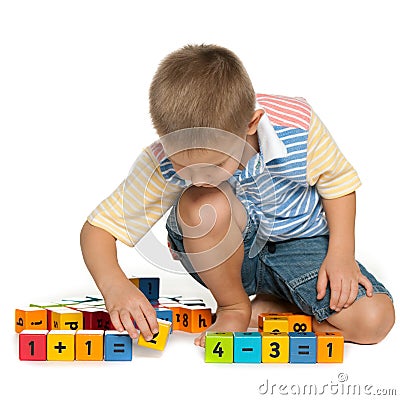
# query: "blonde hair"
201, 86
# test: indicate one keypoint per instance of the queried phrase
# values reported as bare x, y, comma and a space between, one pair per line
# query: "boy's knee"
204, 206
374, 321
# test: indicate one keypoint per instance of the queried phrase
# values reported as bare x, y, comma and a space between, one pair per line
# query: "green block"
219, 347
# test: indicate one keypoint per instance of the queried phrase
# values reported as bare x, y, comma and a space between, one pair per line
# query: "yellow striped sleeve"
138, 202
327, 168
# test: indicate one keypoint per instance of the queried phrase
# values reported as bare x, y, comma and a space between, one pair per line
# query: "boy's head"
202, 104
201, 86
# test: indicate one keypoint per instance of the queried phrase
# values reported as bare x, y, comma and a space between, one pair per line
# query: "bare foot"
264, 303
227, 320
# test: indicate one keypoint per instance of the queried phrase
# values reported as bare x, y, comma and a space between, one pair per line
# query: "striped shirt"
281, 186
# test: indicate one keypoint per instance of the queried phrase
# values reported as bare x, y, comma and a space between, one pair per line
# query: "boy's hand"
343, 275
124, 302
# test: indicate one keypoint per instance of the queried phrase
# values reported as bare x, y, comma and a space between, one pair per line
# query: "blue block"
150, 287
117, 346
165, 314
302, 348
247, 347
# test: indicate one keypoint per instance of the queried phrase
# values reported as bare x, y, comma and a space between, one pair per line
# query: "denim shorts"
287, 270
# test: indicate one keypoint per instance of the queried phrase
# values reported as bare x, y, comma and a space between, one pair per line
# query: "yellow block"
274, 347
66, 318
30, 318
263, 316
61, 345
89, 345
300, 323
159, 340
330, 347
135, 281
276, 324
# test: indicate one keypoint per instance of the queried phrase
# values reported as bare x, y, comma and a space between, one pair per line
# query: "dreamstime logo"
339, 386
205, 157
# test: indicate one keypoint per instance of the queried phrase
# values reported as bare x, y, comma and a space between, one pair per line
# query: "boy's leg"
212, 221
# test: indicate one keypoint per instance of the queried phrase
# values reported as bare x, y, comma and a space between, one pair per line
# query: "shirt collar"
271, 146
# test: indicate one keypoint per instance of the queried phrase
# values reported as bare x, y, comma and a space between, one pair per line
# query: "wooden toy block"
176, 316
33, 345
186, 319
117, 346
160, 339
200, 319
66, 318
303, 348
247, 347
61, 345
95, 318
275, 347
300, 323
165, 314
89, 345
263, 316
330, 347
218, 347
276, 324
150, 287
30, 318
135, 281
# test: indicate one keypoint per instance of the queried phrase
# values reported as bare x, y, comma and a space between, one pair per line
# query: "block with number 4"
219, 347
330, 347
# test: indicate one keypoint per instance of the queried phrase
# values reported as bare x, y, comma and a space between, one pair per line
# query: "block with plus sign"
61, 345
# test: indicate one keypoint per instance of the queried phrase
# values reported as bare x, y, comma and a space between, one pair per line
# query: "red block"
32, 345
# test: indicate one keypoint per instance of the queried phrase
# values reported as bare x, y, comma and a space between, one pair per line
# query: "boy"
263, 203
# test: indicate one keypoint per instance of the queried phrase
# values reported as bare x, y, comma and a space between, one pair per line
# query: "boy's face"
204, 167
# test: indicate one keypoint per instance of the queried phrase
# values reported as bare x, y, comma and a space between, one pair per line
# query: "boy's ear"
252, 129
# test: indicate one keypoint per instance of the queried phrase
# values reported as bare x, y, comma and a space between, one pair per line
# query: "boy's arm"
340, 267
336, 181
124, 300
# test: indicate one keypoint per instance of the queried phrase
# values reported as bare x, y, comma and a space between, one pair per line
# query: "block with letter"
96, 318
330, 347
275, 347
65, 318
176, 315
89, 345
263, 316
33, 345
303, 347
186, 319
117, 346
30, 318
61, 345
160, 339
300, 323
200, 318
219, 347
247, 347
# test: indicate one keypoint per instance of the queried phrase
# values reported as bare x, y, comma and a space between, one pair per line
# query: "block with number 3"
275, 347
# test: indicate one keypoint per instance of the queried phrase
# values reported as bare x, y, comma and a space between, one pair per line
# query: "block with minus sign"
117, 346
303, 347
247, 347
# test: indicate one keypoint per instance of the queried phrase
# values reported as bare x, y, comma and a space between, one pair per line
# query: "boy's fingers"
335, 294
367, 284
322, 283
353, 294
144, 328
344, 295
126, 320
114, 316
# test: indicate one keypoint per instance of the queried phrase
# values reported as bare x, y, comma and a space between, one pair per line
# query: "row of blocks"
274, 347
85, 345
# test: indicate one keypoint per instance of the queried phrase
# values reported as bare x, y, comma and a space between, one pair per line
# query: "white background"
74, 78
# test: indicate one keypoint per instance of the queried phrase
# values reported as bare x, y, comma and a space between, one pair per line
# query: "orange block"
263, 316
200, 319
176, 316
135, 281
186, 319
30, 318
89, 345
300, 323
330, 347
